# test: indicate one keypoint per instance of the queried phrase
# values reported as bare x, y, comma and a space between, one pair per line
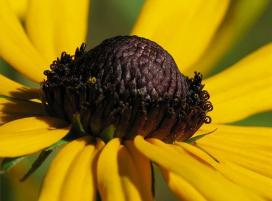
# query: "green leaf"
37, 163
77, 125
108, 133
41, 158
194, 139
8, 163
56, 145
210, 155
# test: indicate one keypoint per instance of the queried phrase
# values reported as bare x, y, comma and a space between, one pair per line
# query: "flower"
235, 159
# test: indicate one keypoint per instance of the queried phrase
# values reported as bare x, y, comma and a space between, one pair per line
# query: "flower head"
124, 104
130, 83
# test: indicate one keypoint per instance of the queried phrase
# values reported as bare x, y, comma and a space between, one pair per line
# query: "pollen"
130, 84
92, 80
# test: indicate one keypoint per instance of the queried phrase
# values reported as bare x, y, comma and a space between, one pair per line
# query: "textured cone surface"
131, 83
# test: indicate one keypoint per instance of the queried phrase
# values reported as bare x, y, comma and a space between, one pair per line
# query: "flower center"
130, 84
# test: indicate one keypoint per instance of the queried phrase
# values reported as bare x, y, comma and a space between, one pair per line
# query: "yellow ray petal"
195, 172
182, 189
261, 165
19, 7
184, 28
71, 24
59, 168
28, 142
91, 178
143, 165
108, 180
13, 89
11, 109
239, 19
249, 147
110, 177
244, 137
258, 138
82, 170
31, 124
249, 179
197, 153
249, 135
16, 48
40, 26
117, 174
87, 193
29, 135
243, 89
244, 177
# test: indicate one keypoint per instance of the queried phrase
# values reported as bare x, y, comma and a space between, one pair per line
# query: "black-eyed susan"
129, 105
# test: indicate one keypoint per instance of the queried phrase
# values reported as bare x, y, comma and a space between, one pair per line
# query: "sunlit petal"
19, 7
197, 173
81, 172
117, 174
41, 28
16, 48
59, 168
29, 135
243, 89
71, 24
254, 181
244, 177
143, 165
182, 189
184, 28
238, 20
249, 147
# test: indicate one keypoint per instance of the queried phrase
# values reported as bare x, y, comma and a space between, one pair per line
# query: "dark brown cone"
131, 83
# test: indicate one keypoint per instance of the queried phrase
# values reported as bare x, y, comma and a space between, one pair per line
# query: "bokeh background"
116, 17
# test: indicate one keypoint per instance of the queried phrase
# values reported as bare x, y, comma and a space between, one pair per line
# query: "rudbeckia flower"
124, 105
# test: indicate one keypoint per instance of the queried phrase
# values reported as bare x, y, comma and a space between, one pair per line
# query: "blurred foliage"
257, 36
109, 18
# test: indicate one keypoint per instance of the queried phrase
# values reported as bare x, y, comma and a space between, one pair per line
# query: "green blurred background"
116, 17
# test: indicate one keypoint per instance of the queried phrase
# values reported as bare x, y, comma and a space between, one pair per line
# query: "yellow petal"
41, 28
91, 176
247, 137
239, 19
251, 180
19, 7
249, 159
59, 168
197, 153
195, 172
184, 28
144, 171
243, 89
71, 24
249, 147
29, 135
81, 173
16, 48
182, 189
31, 124
117, 174
13, 89
11, 109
